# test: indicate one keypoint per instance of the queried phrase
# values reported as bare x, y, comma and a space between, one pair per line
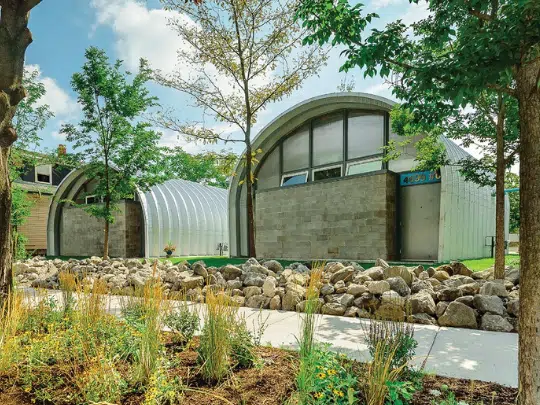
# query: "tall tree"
490, 123
512, 182
212, 168
242, 55
119, 152
460, 48
14, 39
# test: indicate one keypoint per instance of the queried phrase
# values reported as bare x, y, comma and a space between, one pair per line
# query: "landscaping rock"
512, 275
344, 274
254, 279
448, 294
495, 323
275, 302
290, 299
340, 287
375, 273
368, 302
488, 303
258, 301
251, 291
378, 287
393, 298
423, 319
461, 269
332, 308
269, 287
230, 272
441, 307
467, 300
398, 271
513, 307
458, 315
398, 285
327, 289
422, 302
381, 263
199, 269
356, 289
421, 285
273, 265
469, 289
440, 276
494, 288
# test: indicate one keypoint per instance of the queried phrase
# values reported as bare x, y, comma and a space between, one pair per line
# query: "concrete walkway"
451, 352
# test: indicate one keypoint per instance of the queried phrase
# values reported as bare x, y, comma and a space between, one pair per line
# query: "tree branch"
30, 4
504, 89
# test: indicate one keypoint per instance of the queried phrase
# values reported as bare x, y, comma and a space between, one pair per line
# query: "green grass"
486, 263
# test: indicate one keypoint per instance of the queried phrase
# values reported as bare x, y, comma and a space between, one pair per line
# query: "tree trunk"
499, 193
249, 186
6, 275
529, 313
14, 39
106, 233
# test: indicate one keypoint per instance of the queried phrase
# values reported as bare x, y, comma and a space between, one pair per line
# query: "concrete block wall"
82, 234
347, 218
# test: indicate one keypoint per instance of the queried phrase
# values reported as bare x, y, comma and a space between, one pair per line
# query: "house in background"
40, 182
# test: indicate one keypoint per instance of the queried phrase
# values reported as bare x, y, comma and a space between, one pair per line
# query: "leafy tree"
119, 152
512, 181
243, 55
20, 211
491, 124
211, 168
14, 39
461, 48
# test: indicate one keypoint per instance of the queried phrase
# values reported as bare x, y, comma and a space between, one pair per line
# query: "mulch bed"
274, 382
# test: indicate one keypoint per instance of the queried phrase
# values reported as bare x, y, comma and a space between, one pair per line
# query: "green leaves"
120, 153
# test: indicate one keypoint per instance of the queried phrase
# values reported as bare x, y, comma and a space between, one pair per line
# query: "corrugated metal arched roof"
190, 215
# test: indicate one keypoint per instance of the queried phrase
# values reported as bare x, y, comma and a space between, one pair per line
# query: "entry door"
419, 218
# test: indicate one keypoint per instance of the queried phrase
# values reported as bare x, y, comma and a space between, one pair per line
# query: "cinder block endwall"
347, 218
82, 234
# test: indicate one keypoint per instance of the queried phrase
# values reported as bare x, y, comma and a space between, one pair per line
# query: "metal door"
419, 220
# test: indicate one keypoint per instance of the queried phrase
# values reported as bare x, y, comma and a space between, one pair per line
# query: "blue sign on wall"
414, 178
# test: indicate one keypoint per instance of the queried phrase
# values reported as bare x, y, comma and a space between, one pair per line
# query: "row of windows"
331, 172
334, 145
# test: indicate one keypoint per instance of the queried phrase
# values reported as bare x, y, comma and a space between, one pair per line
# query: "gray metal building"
323, 191
190, 215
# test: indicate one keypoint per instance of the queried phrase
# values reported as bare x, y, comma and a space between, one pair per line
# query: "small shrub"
183, 322
215, 343
380, 373
68, 284
400, 392
333, 382
162, 390
242, 346
392, 336
101, 382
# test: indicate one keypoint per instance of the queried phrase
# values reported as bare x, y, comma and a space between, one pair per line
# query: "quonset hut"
324, 191
190, 215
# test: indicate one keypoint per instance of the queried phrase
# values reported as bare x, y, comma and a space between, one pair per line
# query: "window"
327, 173
268, 174
365, 166
296, 151
328, 139
91, 199
294, 178
44, 174
365, 135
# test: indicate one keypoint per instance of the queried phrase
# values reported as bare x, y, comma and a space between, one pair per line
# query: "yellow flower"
321, 375
319, 395
332, 372
330, 386
338, 393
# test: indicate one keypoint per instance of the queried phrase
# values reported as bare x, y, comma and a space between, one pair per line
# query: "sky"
133, 29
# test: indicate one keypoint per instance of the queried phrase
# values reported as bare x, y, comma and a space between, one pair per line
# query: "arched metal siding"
190, 215
467, 212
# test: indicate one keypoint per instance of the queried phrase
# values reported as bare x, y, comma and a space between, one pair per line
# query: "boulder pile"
449, 295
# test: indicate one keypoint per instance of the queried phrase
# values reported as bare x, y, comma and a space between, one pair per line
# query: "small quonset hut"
323, 191
190, 215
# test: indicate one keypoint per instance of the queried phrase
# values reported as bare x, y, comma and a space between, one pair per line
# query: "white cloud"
59, 101
141, 32
415, 12
376, 4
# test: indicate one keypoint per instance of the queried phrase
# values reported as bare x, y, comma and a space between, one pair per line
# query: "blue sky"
131, 29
